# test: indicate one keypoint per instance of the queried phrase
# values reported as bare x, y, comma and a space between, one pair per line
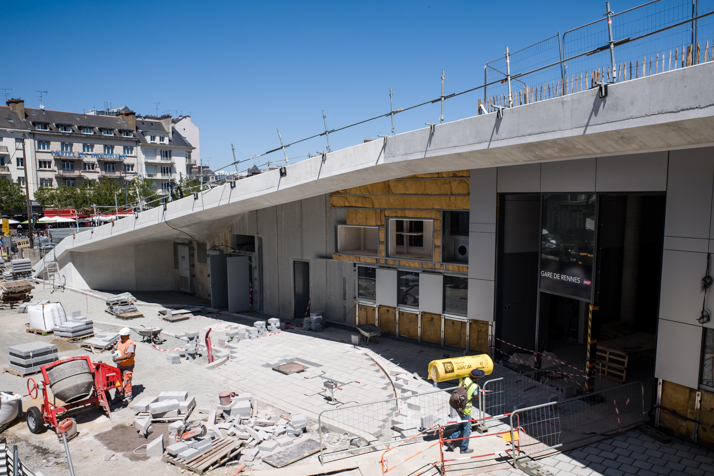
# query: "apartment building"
65, 148
164, 153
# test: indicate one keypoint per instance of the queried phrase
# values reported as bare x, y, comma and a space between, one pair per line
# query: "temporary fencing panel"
365, 427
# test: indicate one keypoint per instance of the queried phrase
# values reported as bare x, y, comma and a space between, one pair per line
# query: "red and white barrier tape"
619, 426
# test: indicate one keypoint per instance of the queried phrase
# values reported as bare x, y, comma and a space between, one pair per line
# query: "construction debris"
123, 306
28, 358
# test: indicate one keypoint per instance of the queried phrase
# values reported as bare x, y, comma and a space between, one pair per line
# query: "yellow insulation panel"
441, 202
388, 319
431, 327
455, 333
478, 336
409, 325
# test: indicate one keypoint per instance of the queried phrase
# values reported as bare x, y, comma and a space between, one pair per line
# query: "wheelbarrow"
370, 330
151, 335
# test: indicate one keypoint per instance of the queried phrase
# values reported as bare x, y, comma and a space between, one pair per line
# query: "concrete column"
631, 260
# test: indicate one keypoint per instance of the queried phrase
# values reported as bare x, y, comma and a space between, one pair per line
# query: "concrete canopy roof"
662, 112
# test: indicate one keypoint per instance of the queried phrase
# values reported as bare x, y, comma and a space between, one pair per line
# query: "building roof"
145, 127
11, 120
75, 120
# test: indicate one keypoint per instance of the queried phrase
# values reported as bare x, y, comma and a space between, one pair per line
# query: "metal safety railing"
542, 428
365, 427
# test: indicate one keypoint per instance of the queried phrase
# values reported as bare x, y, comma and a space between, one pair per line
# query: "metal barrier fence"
651, 38
365, 427
544, 427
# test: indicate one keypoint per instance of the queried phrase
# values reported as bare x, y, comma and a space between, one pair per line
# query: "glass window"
109, 167
45, 182
87, 130
366, 283
42, 127
152, 138
70, 183
128, 150
108, 149
45, 164
161, 138
126, 133
65, 128
66, 147
411, 238
128, 167
67, 165
165, 154
165, 186
456, 294
21, 181
87, 147
43, 145
567, 241
107, 132
89, 165
408, 288
20, 162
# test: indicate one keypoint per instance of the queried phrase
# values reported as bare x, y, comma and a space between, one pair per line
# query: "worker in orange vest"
124, 358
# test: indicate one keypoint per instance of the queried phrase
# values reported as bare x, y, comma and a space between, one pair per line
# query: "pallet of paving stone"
96, 349
222, 451
39, 332
21, 374
180, 317
126, 315
76, 338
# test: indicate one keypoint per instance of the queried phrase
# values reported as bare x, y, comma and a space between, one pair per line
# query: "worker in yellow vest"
470, 383
124, 358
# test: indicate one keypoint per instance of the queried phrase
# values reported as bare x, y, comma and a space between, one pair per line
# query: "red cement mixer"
77, 382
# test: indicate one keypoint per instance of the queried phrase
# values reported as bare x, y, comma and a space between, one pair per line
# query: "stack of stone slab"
23, 307
166, 406
29, 358
121, 303
191, 349
16, 292
102, 340
20, 269
77, 326
273, 325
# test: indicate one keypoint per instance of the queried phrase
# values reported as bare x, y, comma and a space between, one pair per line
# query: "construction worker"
125, 362
464, 428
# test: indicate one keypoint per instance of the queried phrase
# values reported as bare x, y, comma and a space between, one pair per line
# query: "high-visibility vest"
471, 388
122, 347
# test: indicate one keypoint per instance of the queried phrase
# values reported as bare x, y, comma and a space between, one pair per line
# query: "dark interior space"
517, 269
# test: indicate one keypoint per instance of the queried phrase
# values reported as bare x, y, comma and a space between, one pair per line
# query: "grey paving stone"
564, 466
694, 472
613, 472
655, 453
605, 447
625, 459
611, 463
704, 459
622, 451
660, 470
594, 459
598, 468
642, 464
620, 443
671, 457
628, 469
608, 455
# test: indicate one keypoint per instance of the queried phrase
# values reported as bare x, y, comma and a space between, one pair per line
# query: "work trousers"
462, 431
126, 377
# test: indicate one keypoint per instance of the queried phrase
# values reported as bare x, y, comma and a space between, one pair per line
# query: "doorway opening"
301, 283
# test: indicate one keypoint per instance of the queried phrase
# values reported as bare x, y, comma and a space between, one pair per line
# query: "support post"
508, 77
30, 229
327, 133
391, 108
591, 351
611, 42
443, 77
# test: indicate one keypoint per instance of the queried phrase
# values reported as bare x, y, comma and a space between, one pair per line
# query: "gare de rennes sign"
91, 155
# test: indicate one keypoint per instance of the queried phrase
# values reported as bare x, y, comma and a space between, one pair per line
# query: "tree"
12, 197
147, 192
105, 191
46, 196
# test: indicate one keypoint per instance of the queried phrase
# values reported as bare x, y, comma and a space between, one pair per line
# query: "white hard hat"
125, 332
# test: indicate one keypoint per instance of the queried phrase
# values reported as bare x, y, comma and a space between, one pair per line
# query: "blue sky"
241, 69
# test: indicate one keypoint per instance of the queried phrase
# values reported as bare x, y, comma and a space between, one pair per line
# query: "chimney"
17, 105
166, 122
130, 118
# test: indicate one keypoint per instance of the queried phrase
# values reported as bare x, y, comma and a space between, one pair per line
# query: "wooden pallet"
20, 374
39, 332
75, 339
614, 363
222, 451
126, 315
93, 348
